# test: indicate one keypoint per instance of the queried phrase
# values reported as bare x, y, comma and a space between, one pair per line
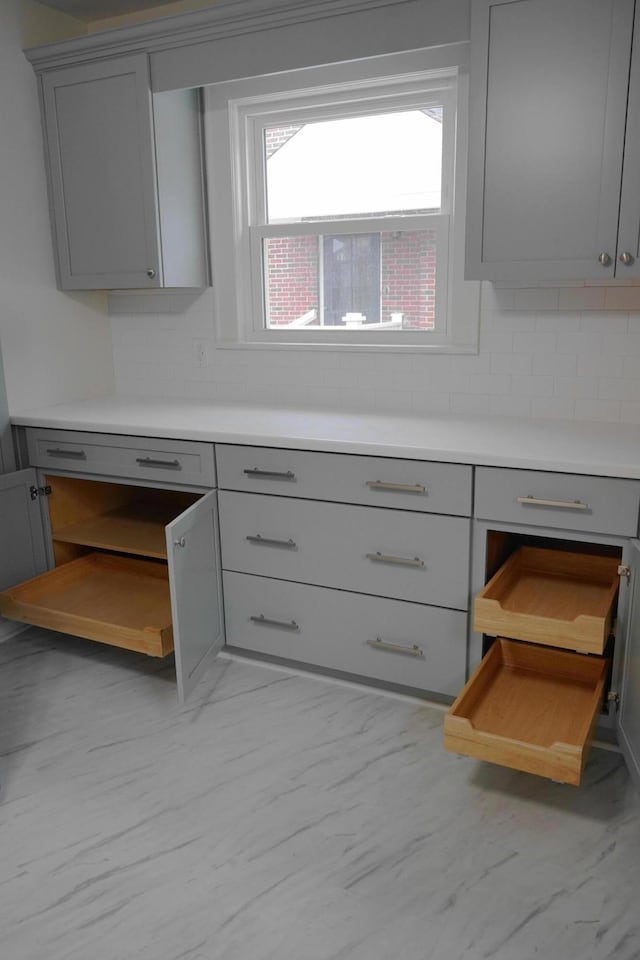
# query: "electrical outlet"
200, 352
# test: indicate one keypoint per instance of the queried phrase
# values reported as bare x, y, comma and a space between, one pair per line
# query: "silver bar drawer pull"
161, 464
380, 644
270, 474
396, 487
67, 454
269, 542
401, 561
282, 624
565, 504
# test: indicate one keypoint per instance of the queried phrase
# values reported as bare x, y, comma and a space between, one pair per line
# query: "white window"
337, 206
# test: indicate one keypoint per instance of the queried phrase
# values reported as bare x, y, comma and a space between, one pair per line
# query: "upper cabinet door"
628, 264
629, 716
196, 592
99, 128
549, 82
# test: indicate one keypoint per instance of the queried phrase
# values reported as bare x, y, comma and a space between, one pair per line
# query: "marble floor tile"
283, 816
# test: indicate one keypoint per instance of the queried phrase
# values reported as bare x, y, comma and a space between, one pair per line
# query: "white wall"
55, 346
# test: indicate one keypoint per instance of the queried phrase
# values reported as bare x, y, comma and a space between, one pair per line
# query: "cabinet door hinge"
624, 571
36, 492
613, 697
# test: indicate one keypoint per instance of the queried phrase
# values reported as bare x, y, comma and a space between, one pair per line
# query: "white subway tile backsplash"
602, 410
536, 298
511, 363
553, 408
510, 406
622, 298
581, 298
549, 351
536, 342
597, 365
606, 323
532, 386
469, 405
577, 387
555, 364
556, 322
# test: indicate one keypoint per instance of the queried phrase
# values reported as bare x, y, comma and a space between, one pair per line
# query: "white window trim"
234, 111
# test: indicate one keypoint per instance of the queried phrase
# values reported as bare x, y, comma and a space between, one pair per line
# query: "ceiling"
101, 9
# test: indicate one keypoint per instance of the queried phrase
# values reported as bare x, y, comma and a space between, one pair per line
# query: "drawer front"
402, 643
388, 553
143, 458
567, 501
343, 478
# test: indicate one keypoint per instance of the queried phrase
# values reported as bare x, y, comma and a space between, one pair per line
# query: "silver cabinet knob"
604, 259
180, 543
151, 273
626, 258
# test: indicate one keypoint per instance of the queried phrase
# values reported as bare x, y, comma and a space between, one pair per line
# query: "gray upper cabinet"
549, 93
125, 175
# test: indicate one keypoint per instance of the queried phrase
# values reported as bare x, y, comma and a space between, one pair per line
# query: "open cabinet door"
196, 593
629, 716
22, 550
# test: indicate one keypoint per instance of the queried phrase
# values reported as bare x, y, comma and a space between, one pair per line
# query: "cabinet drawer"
344, 478
389, 553
144, 458
552, 597
529, 708
567, 501
402, 643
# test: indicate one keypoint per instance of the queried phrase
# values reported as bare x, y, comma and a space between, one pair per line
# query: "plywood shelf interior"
551, 597
121, 601
529, 708
135, 528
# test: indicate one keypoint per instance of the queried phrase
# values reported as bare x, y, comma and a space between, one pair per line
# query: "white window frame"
237, 113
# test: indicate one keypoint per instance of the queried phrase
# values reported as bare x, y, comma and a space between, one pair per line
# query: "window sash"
258, 332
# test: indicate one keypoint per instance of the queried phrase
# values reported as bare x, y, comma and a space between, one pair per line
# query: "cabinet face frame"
479, 539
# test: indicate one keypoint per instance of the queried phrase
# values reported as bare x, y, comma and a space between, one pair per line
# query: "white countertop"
601, 449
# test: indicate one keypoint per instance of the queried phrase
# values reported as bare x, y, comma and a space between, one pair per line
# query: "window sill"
412, 348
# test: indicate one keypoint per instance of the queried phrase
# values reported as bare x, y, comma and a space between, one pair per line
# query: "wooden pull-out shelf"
117, 600
529, 708
550, 597
132, 529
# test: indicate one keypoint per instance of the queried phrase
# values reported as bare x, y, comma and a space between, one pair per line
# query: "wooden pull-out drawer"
401, 643
529, 708
550, 597
347, 478
177, 462
121, 601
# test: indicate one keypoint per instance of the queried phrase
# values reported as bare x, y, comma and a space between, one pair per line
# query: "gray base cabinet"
125, 177
585, 520
549, 97
315, 573
133, 553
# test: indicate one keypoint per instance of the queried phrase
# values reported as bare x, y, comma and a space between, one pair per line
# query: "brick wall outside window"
407, 278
